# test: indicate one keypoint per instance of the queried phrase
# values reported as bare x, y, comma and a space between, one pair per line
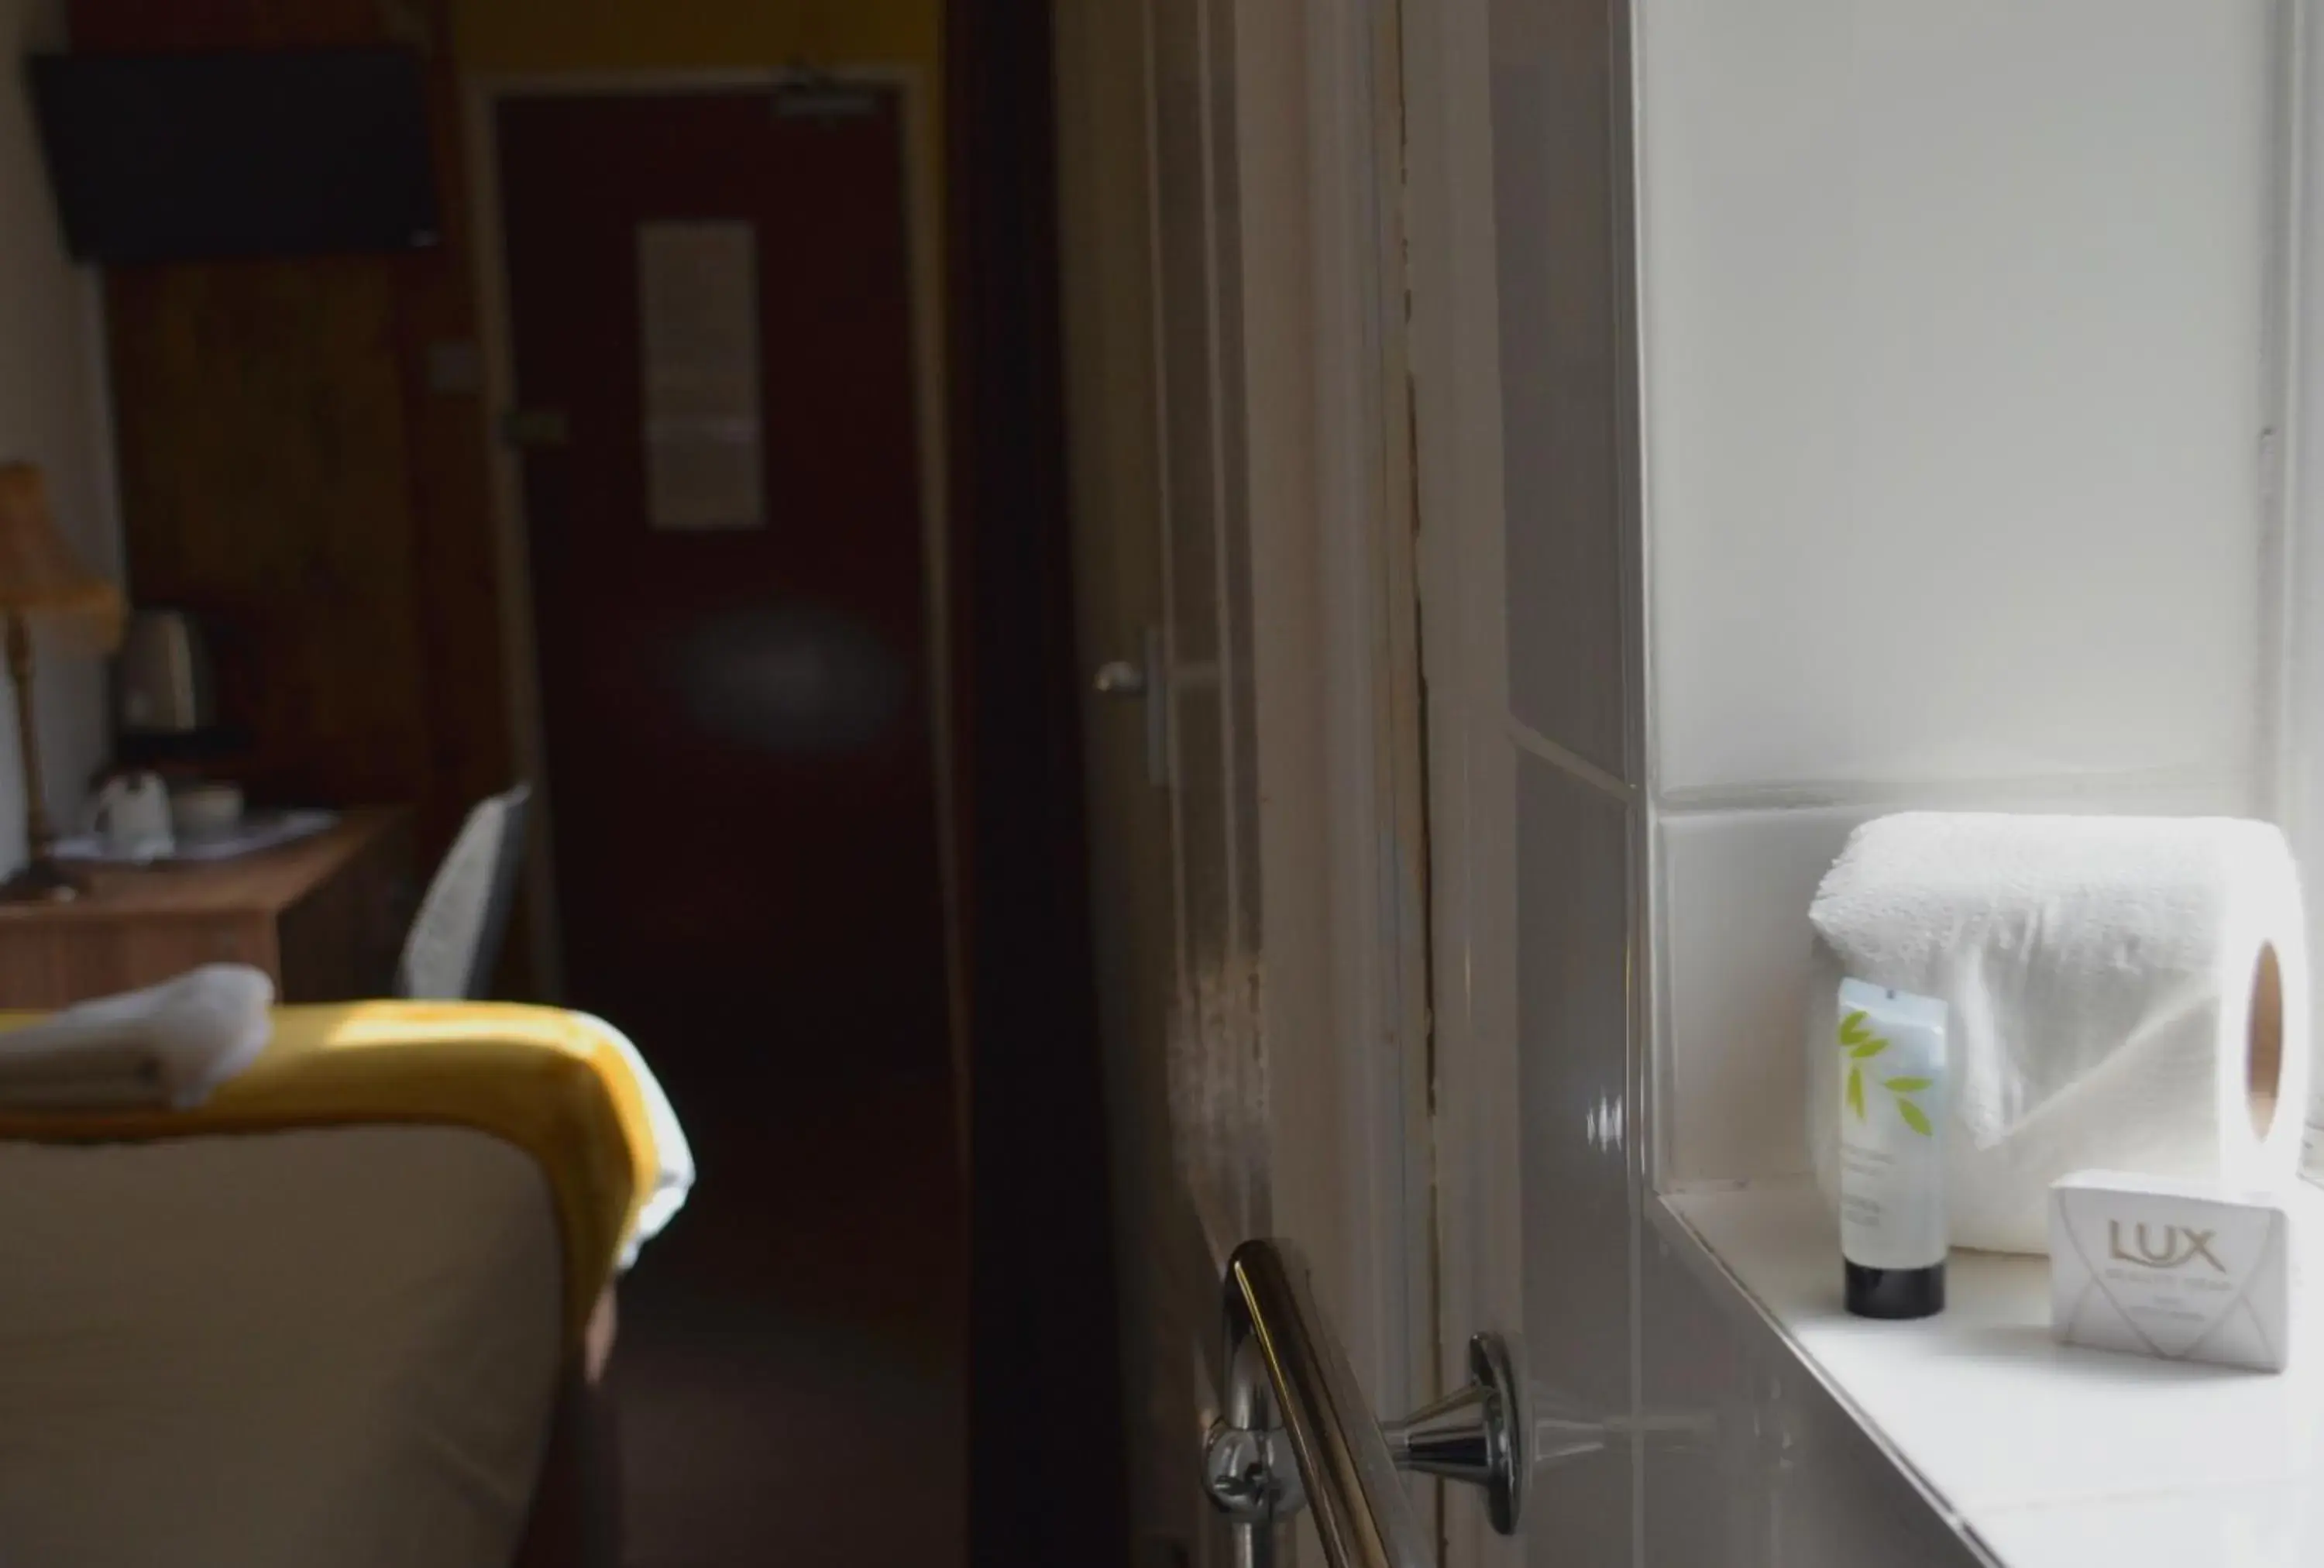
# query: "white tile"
1578, 1510
1749, 1462
1573, 975
1573, 970
1735, 892
1984, 1406
1562, 449
2278, 1526
1951, 414
1705, 1466
1837, 1501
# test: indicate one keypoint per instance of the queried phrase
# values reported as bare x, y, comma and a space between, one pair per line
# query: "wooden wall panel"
290, 472
265, 486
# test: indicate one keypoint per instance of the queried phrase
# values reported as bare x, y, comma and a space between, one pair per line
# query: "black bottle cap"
1895, 1292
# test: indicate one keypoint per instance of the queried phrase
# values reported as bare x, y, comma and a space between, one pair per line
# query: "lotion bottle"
1894, 1090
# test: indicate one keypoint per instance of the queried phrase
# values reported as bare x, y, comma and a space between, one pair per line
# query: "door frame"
1473, 737
482, 95
1336, 660
1472, 796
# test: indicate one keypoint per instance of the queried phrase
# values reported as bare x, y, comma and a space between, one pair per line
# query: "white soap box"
2183, 1270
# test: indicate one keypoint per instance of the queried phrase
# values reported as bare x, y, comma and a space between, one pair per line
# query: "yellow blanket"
544, 1080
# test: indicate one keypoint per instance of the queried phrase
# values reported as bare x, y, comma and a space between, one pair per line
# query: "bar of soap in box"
2184, 1270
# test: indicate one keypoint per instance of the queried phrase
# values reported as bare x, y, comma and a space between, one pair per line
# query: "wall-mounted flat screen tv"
189, 157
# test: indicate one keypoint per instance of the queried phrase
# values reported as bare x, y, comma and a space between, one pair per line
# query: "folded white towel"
168, 1045
673, 1155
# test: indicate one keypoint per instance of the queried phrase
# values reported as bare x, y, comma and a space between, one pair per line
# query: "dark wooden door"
735, 692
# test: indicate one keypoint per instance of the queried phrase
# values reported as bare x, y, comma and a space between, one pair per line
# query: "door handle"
1296, 1431
1150, 682
1120, 677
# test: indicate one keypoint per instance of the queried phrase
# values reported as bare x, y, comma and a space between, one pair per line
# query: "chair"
455, 940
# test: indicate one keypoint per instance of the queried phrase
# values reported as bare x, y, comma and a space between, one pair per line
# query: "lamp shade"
39, 575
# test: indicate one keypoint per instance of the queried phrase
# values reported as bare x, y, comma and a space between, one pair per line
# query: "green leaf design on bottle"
1856, 1039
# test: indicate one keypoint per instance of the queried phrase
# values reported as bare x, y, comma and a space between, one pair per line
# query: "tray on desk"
257, 831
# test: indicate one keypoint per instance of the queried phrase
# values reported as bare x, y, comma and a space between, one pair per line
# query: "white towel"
673, 1155
168, 1045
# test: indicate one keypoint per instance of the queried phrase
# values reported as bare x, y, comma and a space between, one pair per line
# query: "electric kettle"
164, 676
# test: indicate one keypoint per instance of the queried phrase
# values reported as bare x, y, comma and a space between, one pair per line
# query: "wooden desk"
325, 916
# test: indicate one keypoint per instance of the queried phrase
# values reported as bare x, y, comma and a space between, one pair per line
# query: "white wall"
52, 412
1956, 321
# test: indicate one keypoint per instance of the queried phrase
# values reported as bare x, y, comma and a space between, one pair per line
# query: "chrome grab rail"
1289, 1387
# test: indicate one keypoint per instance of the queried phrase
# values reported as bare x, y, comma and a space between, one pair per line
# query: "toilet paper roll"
2125, 993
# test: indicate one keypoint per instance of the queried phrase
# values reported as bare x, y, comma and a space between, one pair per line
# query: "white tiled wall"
1574, 1013
1954, 397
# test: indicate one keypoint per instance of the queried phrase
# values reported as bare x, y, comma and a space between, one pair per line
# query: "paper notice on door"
698, 318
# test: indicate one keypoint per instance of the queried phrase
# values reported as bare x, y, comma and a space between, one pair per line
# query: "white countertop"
2038, 1454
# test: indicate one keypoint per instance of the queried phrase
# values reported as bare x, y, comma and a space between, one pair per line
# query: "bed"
351, 1345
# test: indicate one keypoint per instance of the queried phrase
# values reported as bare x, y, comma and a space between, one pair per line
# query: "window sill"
2035, 1453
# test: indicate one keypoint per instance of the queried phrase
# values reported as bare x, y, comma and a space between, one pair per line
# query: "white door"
1253, 752
1162, 562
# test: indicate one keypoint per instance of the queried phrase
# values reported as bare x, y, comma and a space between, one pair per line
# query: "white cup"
205, 810
132, 814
